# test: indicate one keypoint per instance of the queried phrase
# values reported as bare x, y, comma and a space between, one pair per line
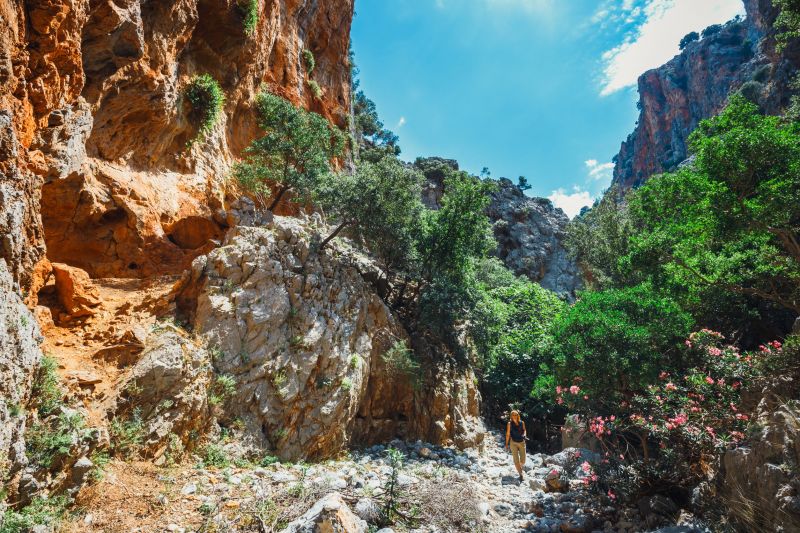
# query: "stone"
367, 509
331, 513
80, 470
76, 292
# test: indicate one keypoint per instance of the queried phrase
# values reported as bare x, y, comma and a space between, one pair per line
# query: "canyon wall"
695, 85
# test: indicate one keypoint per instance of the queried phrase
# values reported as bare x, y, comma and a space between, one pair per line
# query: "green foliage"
347, 384
400, 362
510, 334
374, 140
730, 226
392, 492
633, 331
294, 153
47, 393
269, 460
48, 440
688, 39
522, 183
100, 460
48, 512
224, 387
127, 435
381, 203
598, 238
249, 12
207, 98
788, 21
316, 90
308, 61
711, 30
214, 456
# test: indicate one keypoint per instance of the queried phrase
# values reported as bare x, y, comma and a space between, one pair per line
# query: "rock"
503, 509
529, 231
76, 292
536, 483
189, 488
576, 524
695, 85
368, 510
658, 510
170, 388
19, 358
80, 470
328, 514
556, 480
289, 341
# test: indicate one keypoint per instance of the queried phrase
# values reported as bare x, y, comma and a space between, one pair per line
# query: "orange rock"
75, 290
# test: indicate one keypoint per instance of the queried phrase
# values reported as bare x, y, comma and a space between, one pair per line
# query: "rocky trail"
440, 490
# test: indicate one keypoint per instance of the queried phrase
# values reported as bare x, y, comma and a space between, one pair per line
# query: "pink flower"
709, 380
710, 431
560, 401
586, 467
594, 477
740, 416
574, 389
663, 375
688, 343
612, 418
585, 396
716, 352
671, 386
612, 495
558, 389
720, 382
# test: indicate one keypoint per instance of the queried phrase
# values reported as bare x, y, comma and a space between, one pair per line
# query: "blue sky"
540, 88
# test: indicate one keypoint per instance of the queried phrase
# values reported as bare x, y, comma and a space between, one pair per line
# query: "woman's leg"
518, 451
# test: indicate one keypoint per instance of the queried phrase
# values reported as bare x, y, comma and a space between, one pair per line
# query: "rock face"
695, 85
19, 356
94, 128
761, 481
529, 231
303, 335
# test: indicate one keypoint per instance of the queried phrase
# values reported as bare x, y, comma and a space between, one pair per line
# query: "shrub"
400, 362
206, 98
47, 392
308, 61
249, 12
634, 331
223, 387
316, 90
689, 38
711, 30
48, 512
347, 384
46, 441
127, 434
214, 455
751, 90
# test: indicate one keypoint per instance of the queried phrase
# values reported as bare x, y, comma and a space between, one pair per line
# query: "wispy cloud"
600, 171
400, 123
657, 28
529, 6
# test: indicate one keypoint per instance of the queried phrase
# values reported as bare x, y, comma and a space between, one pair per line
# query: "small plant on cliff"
316, 90
206, 98
47, 392
127, 434
308, 61
53, 438
293, 154
224, 387
400, 362
249, 11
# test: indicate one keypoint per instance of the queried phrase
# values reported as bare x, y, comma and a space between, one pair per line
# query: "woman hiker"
515, 441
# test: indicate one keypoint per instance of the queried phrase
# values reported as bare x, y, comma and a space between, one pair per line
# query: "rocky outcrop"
93, 125
695, 85
303, 335
761, 481
331, 513
19, 357
529, 231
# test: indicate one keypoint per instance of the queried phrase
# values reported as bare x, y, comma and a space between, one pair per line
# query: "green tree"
788, 21
380, 202
294, 154
732, 223
522, 183
374, 140
611, 344
598, 238
688, 39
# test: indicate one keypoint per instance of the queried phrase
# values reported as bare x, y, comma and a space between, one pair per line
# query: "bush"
206, 98
48, 512
308, 61
249, 12
47, 441
688, 39
214, 455
711, 30
47, 393
400, 362
316, 90
633, 331
126, 435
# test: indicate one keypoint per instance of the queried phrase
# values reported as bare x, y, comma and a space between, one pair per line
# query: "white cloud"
602, 172
571, 203
400, 123
529, 6
655, 40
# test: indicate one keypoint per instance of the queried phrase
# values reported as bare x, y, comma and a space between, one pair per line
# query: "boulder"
76, 292
329, 515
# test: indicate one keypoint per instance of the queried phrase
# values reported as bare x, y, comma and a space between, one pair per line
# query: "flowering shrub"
670, 431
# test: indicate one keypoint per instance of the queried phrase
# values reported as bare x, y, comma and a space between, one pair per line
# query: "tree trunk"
277, 199
339, 228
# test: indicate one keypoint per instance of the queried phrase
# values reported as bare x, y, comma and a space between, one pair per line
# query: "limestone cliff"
94, 129
695, 85
529, 231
